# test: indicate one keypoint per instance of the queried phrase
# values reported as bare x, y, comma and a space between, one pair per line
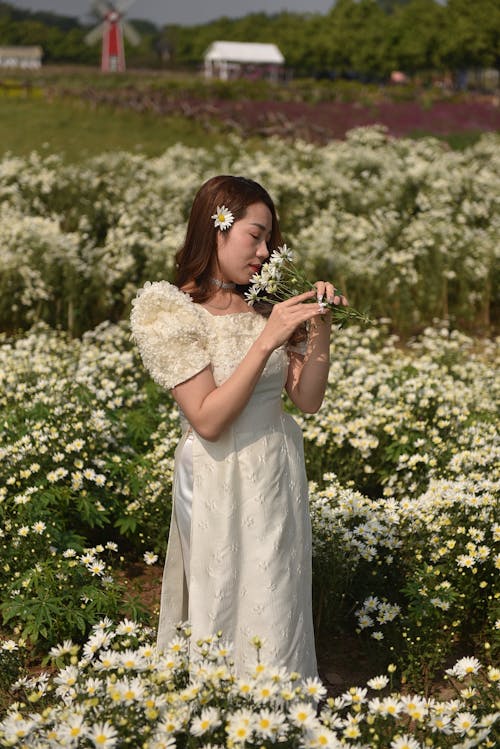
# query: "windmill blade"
93, 36
100, 8
122, 6
130, 33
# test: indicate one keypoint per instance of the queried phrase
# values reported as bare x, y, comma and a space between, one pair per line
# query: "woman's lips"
255, 268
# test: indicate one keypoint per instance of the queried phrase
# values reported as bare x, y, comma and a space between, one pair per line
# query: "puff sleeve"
169, 333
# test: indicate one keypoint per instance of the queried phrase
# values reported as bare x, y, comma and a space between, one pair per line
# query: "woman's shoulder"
160, 294
161, 299
167, 327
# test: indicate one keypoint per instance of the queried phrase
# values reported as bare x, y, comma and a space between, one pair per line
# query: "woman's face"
242, 249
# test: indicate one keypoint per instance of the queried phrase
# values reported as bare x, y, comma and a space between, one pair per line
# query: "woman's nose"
262, 251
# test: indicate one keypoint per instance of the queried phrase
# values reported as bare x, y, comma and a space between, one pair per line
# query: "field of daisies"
403, 457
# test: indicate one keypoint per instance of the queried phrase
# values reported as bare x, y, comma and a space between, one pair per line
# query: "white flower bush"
403, 460
396, 416
119, 690
407, 229
79, 452
403, 456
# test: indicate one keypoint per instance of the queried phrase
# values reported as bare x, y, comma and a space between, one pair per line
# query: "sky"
185, 12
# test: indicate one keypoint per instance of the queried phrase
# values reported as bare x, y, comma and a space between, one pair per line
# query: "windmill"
112, 30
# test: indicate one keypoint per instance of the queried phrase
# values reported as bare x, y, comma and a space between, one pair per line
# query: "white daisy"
270, 723
378, 682
207, 720
223, 218
73, 728
58, 650
302, 714
240, 726
103, 735
314, 688
126, 627
404, 742
96, 567
463, 722
9, 645
467, 665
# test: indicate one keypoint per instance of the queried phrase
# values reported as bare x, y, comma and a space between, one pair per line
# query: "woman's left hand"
326, 292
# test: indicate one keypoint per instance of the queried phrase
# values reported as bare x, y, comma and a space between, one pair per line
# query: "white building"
23, 58
226, 60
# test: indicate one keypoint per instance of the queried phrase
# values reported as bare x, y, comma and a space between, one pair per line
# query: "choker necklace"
222, 284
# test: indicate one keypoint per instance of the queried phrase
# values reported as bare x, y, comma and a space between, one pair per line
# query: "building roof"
31, 52
252, 52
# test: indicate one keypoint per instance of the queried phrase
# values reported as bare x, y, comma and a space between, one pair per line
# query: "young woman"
239, 550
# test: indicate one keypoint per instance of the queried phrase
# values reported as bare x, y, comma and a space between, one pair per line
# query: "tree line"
362, 38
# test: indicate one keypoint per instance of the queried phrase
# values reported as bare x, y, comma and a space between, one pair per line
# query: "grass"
75, 131
456, 141
43, 111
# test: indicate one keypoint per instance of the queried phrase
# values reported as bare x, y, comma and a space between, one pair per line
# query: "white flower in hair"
223, 218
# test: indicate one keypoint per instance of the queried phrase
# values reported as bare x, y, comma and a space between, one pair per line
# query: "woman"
239, 551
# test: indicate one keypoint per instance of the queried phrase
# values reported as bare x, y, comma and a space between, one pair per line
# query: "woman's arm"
308, 375
211, 409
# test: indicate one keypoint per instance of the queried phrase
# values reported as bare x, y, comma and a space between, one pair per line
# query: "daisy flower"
269, 723
9, 645
302, 714
463, 722
126, 627
96, 567
240, 726
378, 682
281, 279
493, 673
314, 688
74, 728
404, 742
103, 735
58, 650
464, 666
223, 218
208, 720
265, 691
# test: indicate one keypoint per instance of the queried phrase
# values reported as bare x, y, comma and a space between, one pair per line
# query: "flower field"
409, 229
403, 457
316, 119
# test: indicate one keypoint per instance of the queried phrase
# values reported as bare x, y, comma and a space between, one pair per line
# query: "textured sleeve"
169, 333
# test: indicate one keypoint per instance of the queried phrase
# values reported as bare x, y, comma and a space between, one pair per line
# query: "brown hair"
195, 259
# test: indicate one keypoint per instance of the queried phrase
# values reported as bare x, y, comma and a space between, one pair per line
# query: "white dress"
239, 549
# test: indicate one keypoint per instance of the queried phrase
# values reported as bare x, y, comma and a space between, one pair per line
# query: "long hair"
195, 259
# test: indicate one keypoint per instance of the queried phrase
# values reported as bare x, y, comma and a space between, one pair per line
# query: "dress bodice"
228, 339
178, 338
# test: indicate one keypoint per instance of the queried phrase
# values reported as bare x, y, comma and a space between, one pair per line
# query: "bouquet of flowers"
279, 279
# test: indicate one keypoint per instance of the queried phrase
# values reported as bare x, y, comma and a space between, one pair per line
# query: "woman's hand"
327, 292
287, 316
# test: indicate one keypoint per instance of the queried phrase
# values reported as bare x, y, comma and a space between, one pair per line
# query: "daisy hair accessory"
223, 218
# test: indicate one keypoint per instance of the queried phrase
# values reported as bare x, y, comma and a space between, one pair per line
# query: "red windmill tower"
112, 30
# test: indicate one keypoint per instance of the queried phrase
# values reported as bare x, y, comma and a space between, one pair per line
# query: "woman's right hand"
287, 316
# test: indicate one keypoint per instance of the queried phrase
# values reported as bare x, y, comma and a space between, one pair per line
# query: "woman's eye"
255, 237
